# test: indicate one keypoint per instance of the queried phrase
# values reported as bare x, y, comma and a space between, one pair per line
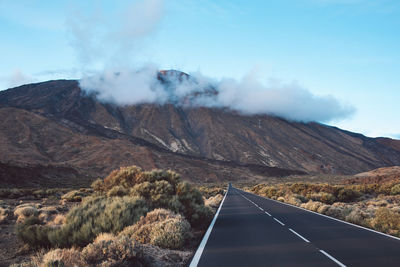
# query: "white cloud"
16, 78
101, 40
247, 95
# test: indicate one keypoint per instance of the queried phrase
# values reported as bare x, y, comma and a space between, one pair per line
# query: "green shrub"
33, 233
323, 197
395, 190
97, 215
117, 191
192, 205
161, 189
73, 196
347, 194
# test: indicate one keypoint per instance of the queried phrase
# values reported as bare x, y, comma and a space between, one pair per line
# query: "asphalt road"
254, 231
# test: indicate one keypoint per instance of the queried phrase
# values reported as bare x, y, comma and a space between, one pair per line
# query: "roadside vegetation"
132, 217
373, 205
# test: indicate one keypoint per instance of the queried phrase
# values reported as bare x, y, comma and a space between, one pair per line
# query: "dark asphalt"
245, 235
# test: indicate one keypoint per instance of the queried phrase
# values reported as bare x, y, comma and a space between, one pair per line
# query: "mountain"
53, 132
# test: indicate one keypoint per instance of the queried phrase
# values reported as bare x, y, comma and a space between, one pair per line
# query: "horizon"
340, 51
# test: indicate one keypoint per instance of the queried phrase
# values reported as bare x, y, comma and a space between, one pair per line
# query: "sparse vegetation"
108, 223
371, 205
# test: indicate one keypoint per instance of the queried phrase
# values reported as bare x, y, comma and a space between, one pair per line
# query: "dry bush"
312, 205
281, 199
323, 209
214, 201
23, 212
59, 219
171, 233
323, 197
4, 214
63, 258
162, 228
211, 191
75, 195
357, 216
387, 221
112, 250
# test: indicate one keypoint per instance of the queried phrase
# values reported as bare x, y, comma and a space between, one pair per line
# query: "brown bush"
323, 197
214, 201
387, 221
160, 227
63, 257
113, 250
23, 212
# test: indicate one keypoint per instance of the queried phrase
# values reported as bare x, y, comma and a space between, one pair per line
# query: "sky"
342, 49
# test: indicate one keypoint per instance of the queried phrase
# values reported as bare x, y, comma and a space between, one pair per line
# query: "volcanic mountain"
54, 133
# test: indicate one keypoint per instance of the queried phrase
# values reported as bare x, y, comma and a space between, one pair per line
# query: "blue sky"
345, 48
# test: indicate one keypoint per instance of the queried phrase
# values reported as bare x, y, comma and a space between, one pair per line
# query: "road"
250, 230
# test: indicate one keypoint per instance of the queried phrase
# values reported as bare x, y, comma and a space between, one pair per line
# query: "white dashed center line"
279, 221
294, 232
332, 258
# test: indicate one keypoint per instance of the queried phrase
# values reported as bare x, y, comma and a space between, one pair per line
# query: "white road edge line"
299, 235
199, 251
332, 258
279, 221
266, 212
323, 215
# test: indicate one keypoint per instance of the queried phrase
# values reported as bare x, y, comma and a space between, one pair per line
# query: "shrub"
214, 201
161, 189
63, 258
125, 176
192, 205
347, 194
356, 216
33, 233
97, 215
312, 205
171, 233
73, 196
117, 191
157, 194
24, 211
211, 191
395, 190
323, 197
97, 185
386, 220
111, 249
4, 214
160, 227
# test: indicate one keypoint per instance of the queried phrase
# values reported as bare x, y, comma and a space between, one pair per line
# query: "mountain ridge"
216, 143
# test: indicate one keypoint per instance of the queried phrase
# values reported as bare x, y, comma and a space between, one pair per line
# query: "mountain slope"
56, 123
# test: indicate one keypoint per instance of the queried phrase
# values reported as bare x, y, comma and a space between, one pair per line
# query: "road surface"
250, 230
